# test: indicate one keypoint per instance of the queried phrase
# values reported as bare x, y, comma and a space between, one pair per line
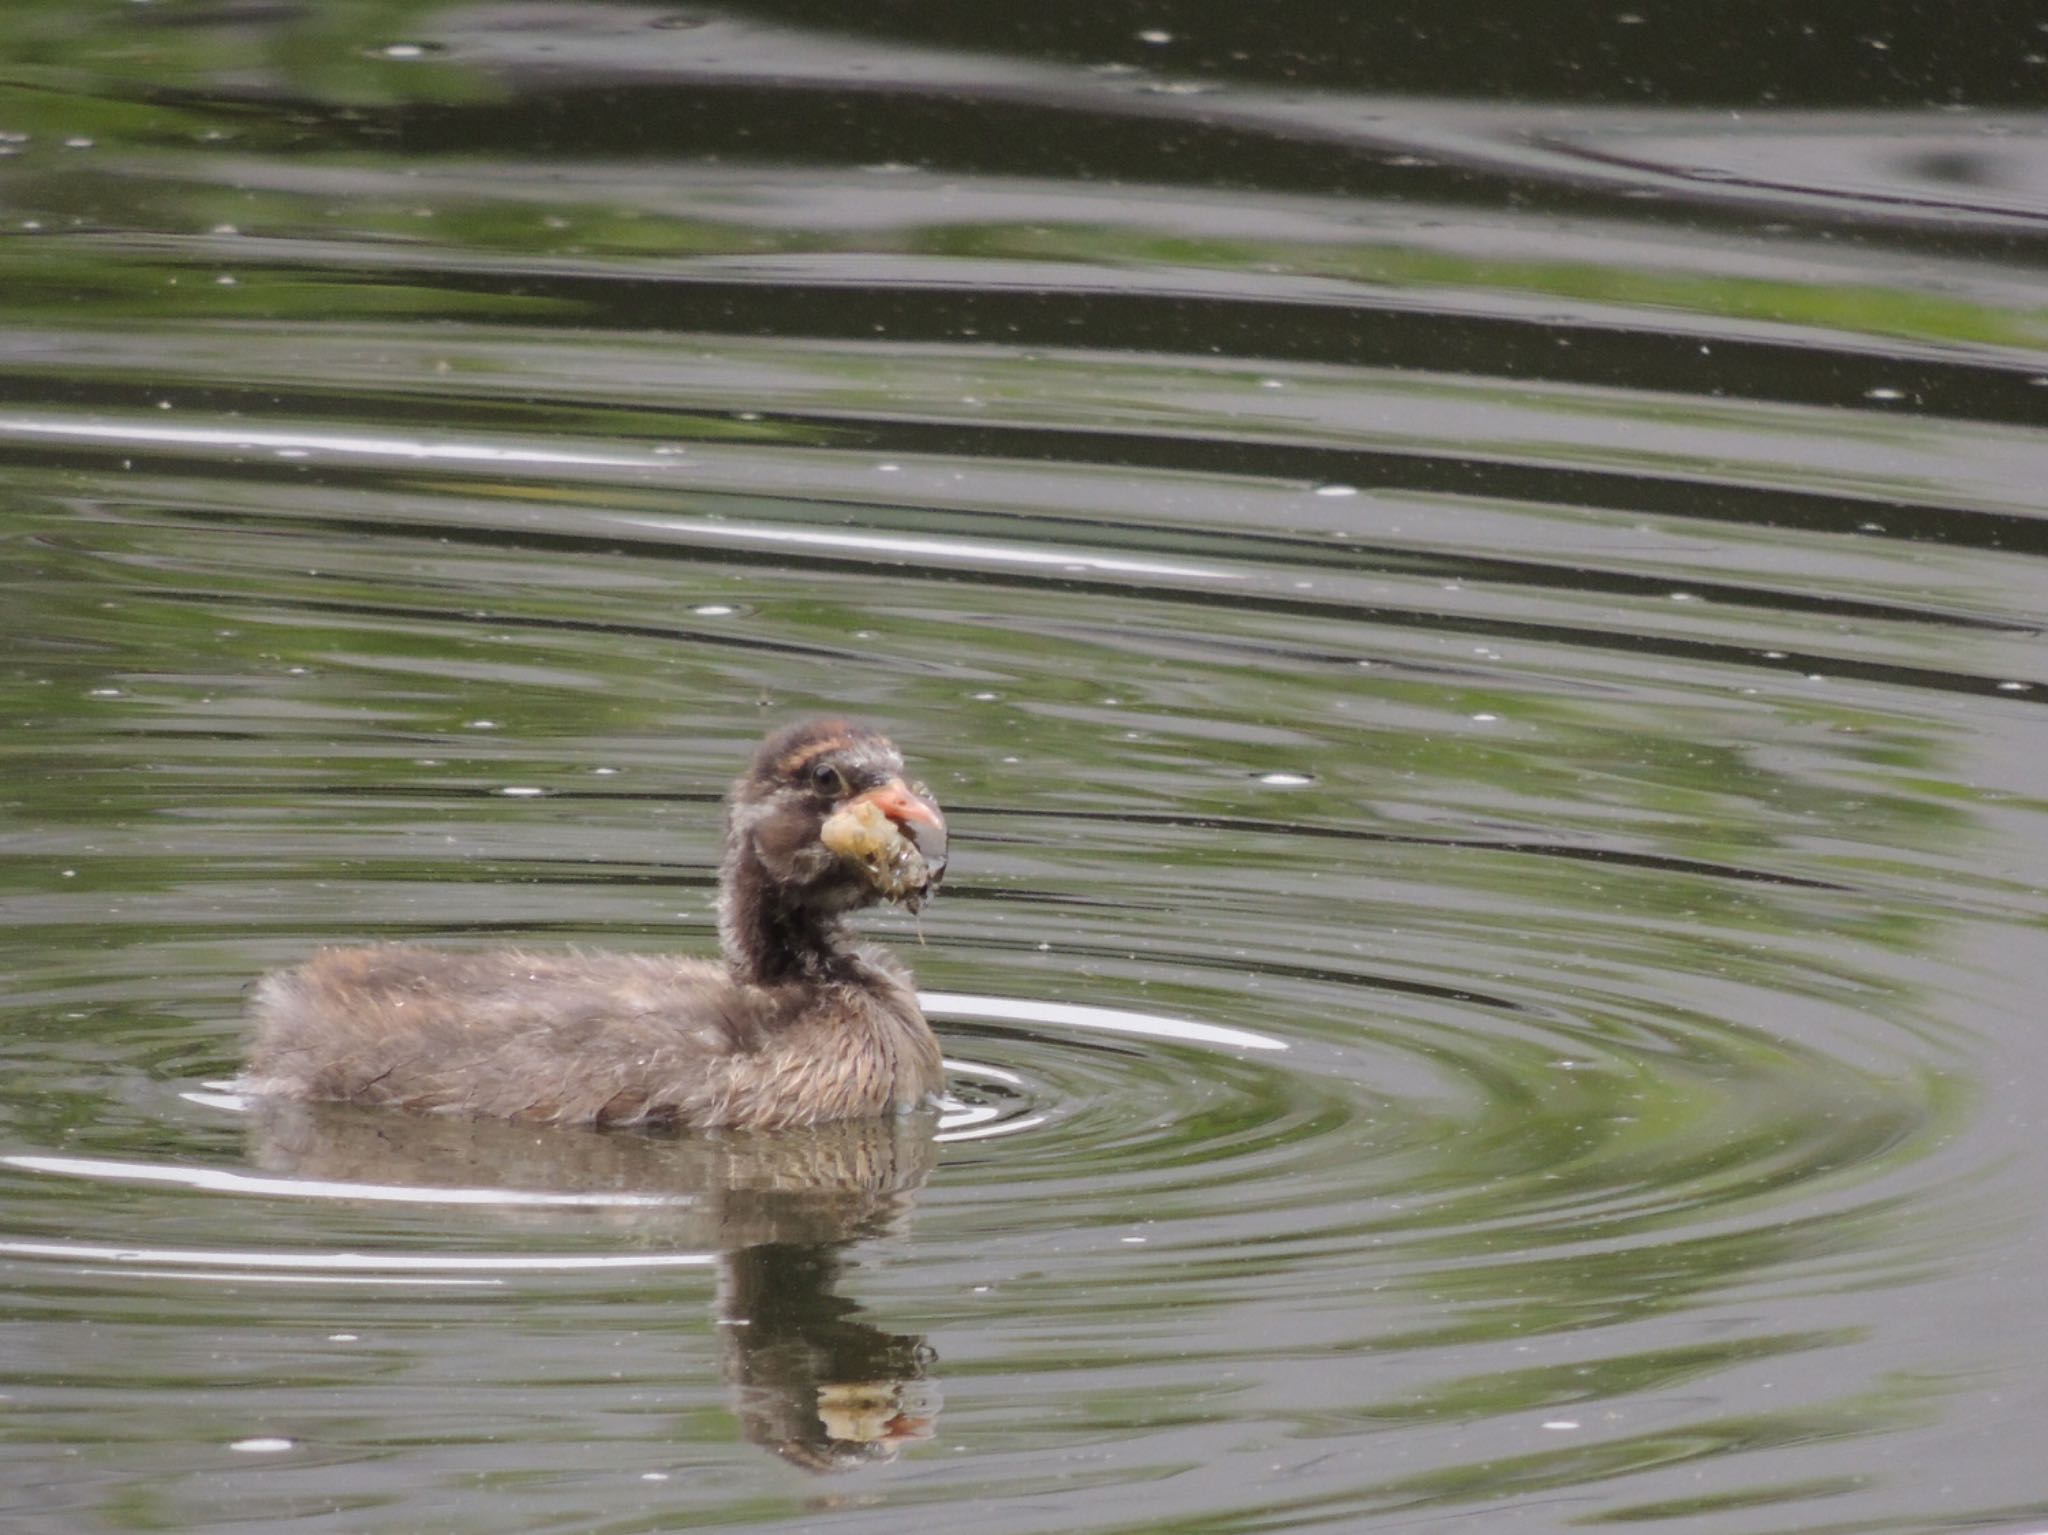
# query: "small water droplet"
1336, 490
1884, 394
714, 610
1155, 36
264, 1445
522, 791
1283, 778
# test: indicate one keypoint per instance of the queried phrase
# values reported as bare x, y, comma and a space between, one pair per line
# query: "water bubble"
522, 791
264, 1445
1283, 778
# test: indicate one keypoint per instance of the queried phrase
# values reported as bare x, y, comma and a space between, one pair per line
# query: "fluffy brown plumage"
798, 1025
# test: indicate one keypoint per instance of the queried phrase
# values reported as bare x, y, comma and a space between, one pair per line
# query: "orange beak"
915, 812
903, 804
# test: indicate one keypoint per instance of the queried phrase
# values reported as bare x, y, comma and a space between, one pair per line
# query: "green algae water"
1471, 587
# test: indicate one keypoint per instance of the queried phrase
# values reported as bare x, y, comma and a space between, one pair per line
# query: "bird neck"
767, 937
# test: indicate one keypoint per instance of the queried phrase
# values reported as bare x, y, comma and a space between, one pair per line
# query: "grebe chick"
798, 1025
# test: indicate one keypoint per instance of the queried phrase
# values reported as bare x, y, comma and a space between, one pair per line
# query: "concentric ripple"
1483, 659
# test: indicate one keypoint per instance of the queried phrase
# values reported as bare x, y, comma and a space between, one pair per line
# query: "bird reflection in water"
812, 1381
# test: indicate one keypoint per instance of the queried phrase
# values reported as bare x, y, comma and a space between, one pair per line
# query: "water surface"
1475, 611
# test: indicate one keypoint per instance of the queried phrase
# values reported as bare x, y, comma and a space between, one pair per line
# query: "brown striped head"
831, 823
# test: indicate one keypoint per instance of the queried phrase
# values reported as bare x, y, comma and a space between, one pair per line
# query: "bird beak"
916, 815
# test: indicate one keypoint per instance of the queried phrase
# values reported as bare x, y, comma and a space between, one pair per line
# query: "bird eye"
828, 779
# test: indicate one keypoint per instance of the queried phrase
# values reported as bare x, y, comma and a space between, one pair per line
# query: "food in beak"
897, 835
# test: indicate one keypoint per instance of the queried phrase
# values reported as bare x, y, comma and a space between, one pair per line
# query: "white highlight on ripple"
959, 1121
986, 1132
221, 1180
325, 442
977, 1069
219, 1098
1114, 1020
361, 1263
954, 1114
934, 548
243, 1276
